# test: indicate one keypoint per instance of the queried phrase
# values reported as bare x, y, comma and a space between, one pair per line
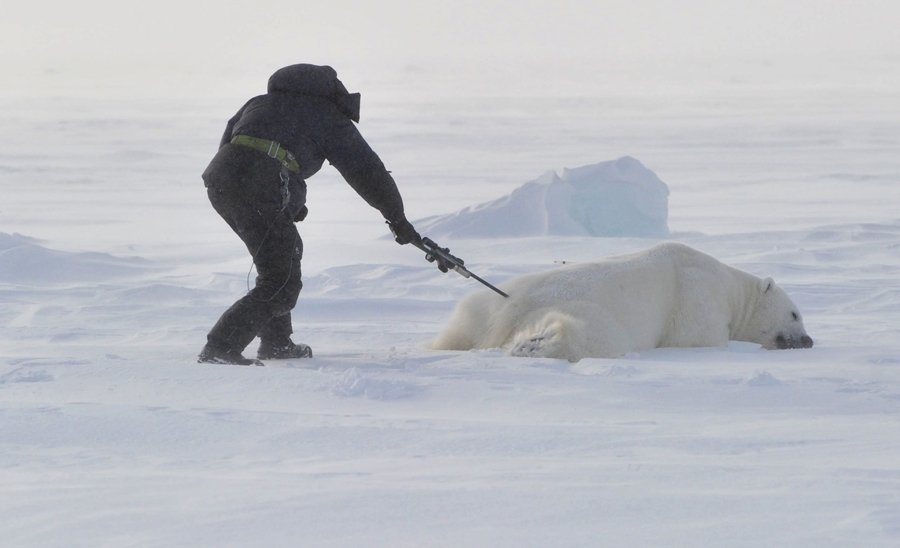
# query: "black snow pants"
245, 188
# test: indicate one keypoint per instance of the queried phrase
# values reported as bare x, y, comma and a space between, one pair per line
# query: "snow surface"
113, 267
614, 198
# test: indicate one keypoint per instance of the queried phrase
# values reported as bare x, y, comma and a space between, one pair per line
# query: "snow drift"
615, 198
24, 261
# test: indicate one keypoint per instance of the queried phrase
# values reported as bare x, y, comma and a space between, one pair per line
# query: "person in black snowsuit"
256, 182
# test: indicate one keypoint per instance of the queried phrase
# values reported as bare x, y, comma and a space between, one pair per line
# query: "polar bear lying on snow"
670, 295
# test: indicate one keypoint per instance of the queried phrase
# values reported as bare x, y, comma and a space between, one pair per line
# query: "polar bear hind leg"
468, 325
554, 335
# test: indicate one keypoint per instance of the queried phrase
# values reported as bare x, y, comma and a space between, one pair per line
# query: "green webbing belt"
272, 148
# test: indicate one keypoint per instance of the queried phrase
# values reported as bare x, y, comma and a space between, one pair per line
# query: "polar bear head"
775, 321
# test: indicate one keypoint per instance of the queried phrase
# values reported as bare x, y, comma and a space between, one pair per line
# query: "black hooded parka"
309, 112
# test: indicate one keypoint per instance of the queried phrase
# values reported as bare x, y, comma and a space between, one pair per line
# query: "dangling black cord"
285, 200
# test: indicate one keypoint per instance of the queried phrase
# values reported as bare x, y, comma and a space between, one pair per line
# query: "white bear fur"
670, 295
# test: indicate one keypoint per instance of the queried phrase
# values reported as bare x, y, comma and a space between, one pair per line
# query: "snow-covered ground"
113, 266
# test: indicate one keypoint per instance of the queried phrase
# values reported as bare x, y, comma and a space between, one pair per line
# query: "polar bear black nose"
783, 343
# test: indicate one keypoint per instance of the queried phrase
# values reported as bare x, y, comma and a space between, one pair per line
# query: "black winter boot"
271, 351
212, 354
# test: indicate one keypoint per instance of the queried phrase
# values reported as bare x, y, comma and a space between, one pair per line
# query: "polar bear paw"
532, 347
546, 340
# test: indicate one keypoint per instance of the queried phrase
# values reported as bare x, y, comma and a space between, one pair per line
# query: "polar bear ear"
766, 284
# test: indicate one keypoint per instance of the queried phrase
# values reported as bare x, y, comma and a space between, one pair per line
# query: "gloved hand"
404, 233
301, 214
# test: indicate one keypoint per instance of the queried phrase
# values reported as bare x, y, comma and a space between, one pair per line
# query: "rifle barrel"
459, 268
490, 286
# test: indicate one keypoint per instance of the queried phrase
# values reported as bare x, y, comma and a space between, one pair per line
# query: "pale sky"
201, 30
44, 35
